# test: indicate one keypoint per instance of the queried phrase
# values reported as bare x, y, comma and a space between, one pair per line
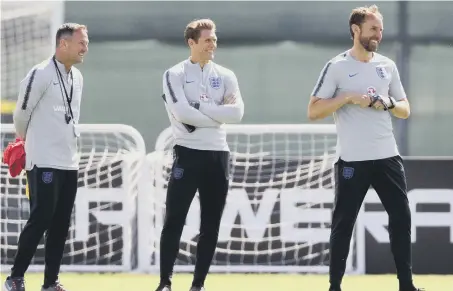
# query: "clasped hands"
377, 102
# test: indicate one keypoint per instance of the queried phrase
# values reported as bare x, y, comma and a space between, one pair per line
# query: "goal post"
103, 231
28, 37
278, 211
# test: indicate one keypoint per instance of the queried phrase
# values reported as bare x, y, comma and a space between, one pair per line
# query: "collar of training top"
194, 65
62, 68
350, 57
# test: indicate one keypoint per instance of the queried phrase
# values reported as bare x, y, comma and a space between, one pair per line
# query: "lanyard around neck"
65, 94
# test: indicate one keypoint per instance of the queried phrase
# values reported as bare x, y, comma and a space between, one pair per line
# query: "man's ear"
355, 28
63, 44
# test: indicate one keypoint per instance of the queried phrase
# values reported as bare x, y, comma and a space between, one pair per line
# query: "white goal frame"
12, 10
355, 262
132, 181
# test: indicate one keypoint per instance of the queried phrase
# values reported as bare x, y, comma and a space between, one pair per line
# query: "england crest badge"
382, 72
215, 82
47, 177
348, 172
178, 173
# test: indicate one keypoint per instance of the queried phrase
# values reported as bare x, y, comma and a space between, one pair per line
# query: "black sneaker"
163, 287
14, 284
54, 287
194, 288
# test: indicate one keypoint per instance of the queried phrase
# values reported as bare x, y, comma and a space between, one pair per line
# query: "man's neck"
62, 60
359, 53
196, 60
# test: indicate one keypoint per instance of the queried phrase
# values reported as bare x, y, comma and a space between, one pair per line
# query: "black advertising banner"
277, 217
430, 193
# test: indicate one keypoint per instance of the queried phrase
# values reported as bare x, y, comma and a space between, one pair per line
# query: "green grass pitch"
238, 282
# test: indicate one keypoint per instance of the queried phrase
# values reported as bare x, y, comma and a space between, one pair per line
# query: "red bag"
14, 157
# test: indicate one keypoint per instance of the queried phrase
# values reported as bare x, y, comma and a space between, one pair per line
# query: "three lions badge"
215, 82
47, 177
382, 72
348, 172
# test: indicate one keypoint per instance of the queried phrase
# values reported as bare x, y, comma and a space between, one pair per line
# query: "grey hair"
67, 30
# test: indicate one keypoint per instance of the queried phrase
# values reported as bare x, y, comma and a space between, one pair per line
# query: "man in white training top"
362, 89
46, 117
200, 96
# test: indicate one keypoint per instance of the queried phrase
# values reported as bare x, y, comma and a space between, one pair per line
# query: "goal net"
278, 212
28, 37
103, 231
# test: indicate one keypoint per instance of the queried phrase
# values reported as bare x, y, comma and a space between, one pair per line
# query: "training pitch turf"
237, 282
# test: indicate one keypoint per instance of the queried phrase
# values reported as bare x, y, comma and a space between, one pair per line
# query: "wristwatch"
392, 103
195, 104
376, 98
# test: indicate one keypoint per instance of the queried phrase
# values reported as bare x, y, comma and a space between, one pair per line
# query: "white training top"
363, 133
40, 112
194, 99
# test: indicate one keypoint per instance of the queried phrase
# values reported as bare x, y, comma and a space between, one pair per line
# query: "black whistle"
68, 118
